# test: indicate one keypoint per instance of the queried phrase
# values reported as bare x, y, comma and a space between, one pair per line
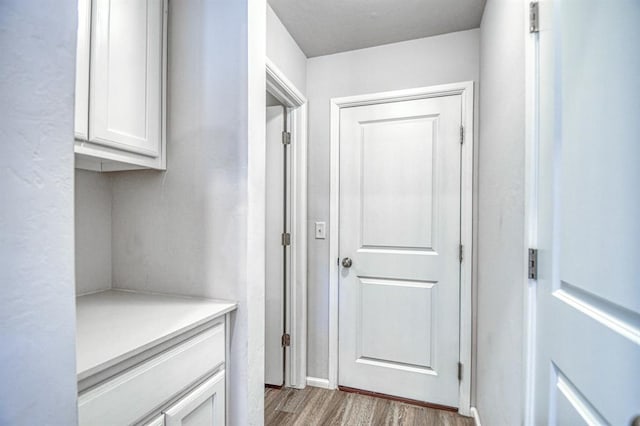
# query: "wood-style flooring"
315, 406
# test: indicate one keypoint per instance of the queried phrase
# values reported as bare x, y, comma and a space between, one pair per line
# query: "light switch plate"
321, 230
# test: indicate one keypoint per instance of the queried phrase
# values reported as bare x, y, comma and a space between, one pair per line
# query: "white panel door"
204, 406
125, 109
588, 295
276, 224
400, 228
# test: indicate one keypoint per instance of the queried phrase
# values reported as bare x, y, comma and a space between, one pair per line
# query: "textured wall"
285, 53
37, 305
501, 268
424, 62
92, 231
191, 230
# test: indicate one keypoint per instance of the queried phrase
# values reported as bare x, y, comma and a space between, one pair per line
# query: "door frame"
531, 141
285, 91
465, 90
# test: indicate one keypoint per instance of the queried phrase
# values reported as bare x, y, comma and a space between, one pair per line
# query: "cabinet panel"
125, 100
158, 421
204, 406
82, 70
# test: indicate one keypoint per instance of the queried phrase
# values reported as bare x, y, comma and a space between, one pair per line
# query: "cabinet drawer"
129, 396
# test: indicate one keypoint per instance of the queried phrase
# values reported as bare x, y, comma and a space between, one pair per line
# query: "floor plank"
319, 407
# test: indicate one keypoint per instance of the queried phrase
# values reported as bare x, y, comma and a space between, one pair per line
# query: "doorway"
400, 289
286, 227
278, 241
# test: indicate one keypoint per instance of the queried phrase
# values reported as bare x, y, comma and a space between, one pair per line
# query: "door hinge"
286, 239
459, 371
286, 138
533, 264
286, 339
461, 135
534, 17
460, 252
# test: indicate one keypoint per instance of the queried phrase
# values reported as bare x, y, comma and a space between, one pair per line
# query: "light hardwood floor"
315, 406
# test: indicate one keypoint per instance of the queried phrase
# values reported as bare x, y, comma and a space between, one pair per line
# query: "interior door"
399, 287
276, 252
588, 295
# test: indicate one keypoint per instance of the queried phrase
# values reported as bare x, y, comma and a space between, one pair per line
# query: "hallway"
315, 406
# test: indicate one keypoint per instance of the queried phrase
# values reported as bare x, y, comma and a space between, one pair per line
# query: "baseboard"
476, 416
318, 383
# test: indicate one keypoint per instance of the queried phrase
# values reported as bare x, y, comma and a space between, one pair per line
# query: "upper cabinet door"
82, 70
125, 102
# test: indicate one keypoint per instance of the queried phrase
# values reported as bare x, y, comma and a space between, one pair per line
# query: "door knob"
346, 262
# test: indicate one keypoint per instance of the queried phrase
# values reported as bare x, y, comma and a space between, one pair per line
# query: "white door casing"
587, 353
275, 251
400, 203
466, 92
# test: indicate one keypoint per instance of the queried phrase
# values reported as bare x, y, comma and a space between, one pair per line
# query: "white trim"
282, 88
476, 416
318, 383
465, 90
285, 91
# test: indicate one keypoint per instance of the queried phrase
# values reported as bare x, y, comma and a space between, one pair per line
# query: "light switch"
321, 230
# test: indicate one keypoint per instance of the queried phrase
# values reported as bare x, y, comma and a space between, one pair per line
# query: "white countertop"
115, 325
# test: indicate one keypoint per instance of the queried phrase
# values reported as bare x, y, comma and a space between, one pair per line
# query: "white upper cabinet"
120, 85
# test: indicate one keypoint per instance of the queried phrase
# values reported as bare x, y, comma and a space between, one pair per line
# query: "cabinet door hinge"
286, 340
286, 138
534, 17
461, 135
461, 253
533, 264
286, 239
459, 371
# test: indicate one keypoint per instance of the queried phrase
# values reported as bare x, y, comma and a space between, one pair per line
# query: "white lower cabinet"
204, 406
157, 421
182, 385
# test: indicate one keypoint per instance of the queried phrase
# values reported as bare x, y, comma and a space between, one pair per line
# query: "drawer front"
136, 392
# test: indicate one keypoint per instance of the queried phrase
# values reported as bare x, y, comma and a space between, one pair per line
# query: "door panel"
275, 261
400, 225
406, 223
125, 109
588, 300
408, 302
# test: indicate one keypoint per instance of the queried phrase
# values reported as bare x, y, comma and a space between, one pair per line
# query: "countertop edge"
82, 375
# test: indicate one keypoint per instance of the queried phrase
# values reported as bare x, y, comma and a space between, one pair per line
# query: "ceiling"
322, 27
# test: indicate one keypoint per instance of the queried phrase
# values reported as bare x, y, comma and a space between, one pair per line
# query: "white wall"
37, 305
198, 228
92, 231
501, 268
285, 53
424, 62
